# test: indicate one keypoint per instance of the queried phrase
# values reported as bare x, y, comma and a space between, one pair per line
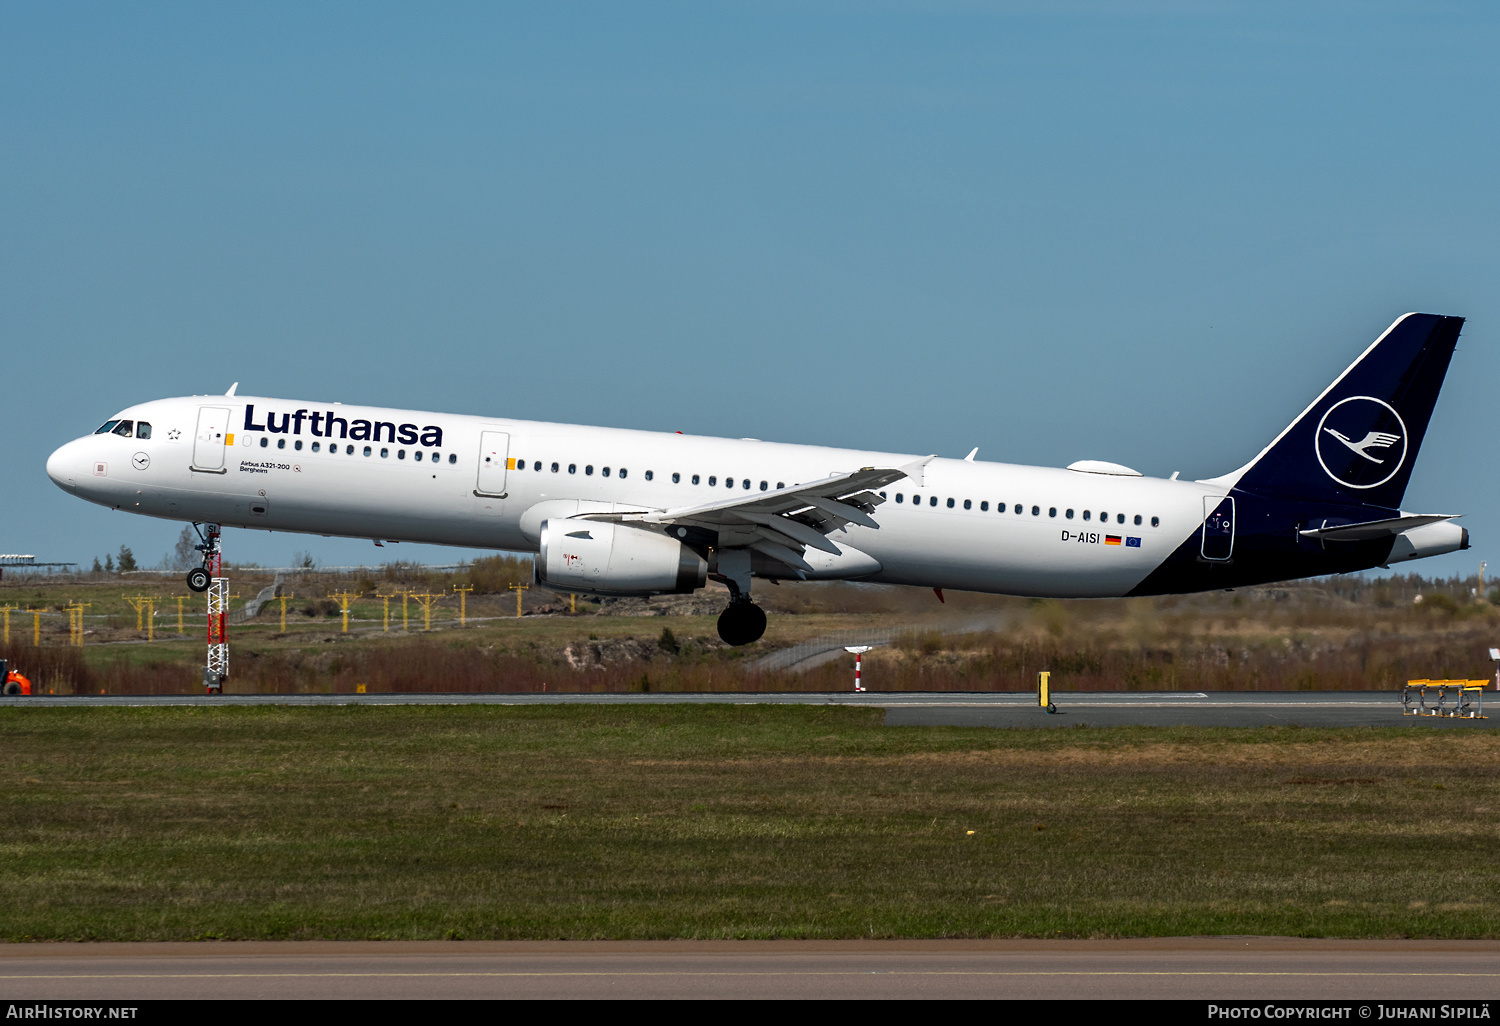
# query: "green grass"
717, 821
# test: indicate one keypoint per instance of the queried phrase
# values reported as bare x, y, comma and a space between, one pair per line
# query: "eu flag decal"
1132, 543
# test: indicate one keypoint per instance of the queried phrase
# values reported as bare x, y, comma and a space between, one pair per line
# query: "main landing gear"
744, 621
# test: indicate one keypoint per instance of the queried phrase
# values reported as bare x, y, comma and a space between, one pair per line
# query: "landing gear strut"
744, 621
199, 578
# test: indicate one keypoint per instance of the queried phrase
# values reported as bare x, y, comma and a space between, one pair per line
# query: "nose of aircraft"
68, 464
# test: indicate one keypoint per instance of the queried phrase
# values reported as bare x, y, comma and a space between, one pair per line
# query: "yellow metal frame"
1467, 692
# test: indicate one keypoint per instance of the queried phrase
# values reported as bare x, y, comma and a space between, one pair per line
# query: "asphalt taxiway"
958, 709
1180, 968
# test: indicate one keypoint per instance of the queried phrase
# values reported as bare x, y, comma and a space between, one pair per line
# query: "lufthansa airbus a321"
620, 512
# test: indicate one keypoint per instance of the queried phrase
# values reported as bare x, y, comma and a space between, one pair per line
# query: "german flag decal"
1111, 539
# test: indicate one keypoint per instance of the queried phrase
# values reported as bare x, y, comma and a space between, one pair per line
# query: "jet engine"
603, 558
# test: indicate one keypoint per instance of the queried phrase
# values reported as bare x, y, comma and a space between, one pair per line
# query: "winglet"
914, 470
232, 388
972, 453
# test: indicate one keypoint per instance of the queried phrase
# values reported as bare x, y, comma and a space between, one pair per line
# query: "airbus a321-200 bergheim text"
621, 512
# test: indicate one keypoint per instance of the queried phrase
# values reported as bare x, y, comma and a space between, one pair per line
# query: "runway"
1178, 968
956, 709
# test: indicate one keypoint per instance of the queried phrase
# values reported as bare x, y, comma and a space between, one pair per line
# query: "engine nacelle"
603, 558
1428, 540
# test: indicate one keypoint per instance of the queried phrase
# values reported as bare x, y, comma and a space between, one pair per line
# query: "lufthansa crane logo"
1361, 442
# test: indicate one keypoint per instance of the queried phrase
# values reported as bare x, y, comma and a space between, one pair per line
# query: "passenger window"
588, 471
554, 468
916, 500
650, 476
316, 447
780, 485
400, 453
950, 503
1155, 521
1119, 518
106, 427
572, 468
1052, 512
712, 480
1036, 511
348, 450
1137, 520
452, 457
968, 504
624, 473
142, 430
281, 443
1069, 514
984, 507
1087, 515
932, 500
298, 446
123, 428
729, 482
520, 464
264, 442
765, 486
1103, 518
898, 496
384, 453
604, 471
695, 479
745, 484
367, 450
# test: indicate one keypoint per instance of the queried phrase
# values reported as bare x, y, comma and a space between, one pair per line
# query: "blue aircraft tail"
1358, 441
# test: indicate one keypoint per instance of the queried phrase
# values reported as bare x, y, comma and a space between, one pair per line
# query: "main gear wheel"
742, 623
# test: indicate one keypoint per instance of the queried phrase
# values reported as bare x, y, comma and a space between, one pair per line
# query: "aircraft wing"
784, 523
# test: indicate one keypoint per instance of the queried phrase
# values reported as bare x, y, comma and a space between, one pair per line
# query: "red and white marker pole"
858, 651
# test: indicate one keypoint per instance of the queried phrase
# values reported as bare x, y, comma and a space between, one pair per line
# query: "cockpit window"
123, 429
109, 425
142, 429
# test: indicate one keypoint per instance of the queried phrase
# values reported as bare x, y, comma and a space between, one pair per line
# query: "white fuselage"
426, 480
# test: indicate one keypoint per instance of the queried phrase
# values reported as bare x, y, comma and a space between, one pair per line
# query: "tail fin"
1358, 441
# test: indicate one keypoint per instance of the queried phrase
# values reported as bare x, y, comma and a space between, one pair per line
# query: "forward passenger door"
208, 443
494, 452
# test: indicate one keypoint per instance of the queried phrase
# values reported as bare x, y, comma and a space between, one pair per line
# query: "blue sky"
1146, 233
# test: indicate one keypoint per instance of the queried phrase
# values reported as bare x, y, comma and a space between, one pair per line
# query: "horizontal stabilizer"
1374, 528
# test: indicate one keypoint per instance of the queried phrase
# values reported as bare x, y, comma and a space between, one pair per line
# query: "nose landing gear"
199, 578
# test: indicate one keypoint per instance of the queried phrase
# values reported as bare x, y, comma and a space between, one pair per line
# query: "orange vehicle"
15, 684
